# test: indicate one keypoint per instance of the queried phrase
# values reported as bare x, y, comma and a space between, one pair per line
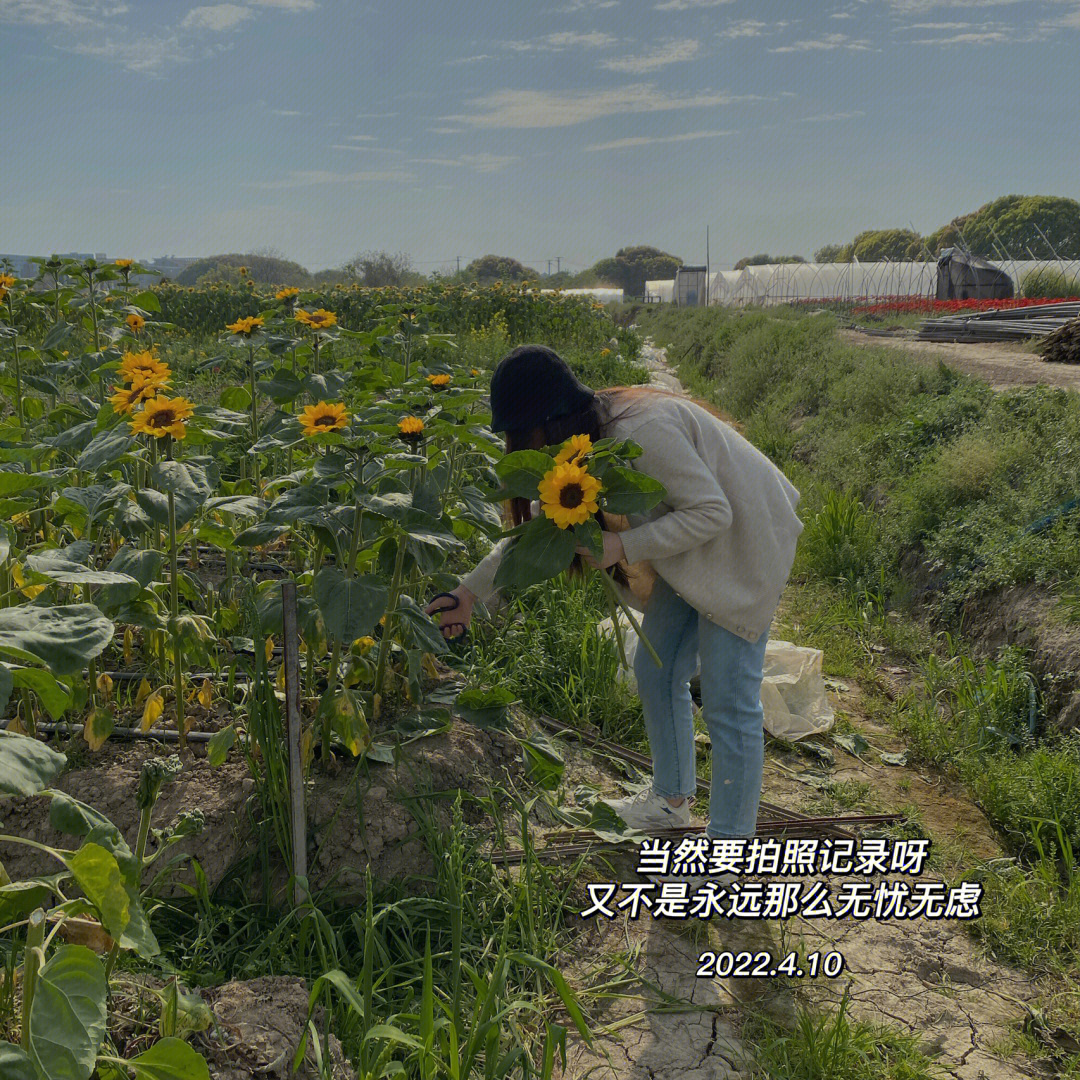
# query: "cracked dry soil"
927, 978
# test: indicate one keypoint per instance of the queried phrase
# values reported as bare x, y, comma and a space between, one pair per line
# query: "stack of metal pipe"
1002, 324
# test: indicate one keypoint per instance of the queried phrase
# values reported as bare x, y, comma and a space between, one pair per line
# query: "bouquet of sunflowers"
575, 486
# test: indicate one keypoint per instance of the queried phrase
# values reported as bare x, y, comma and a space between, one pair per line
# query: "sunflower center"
162, 419
326, 420
571, 496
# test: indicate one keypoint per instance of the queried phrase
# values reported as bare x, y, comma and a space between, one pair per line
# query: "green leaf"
190, 486
74, 818
15, 1064
891, 758
7, 684
542, 551
629, 492
26, 765
282, 388
50, 693
543, 762
182, 1011
854, 743
105, 448
5, 543
97, 873
424, 631
350, 606
67, 1017
12, 482
522, 471
221, 742
237, 398
590, 535
59, 566
64, 637
260, 534
485, 708
148, 301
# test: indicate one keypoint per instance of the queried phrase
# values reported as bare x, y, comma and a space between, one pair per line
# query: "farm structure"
784, 283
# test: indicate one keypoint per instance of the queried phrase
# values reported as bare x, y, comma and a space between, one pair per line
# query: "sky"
558, 129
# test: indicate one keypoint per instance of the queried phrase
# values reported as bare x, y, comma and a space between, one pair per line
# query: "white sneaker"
647, 810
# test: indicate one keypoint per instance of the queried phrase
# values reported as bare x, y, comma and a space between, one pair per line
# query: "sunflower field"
168, 457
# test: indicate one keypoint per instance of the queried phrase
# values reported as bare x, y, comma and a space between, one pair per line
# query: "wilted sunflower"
326, 416
163, 416
127, 397
439, 380
245, 326
135, 322
568, 495
575, 448
411, 428
320, 319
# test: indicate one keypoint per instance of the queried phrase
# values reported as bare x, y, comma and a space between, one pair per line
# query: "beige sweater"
724, 536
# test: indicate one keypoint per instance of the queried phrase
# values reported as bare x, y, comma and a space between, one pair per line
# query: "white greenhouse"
785, 283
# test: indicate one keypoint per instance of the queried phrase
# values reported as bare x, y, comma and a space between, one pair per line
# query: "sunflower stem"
174, 619
619, 605
254, 417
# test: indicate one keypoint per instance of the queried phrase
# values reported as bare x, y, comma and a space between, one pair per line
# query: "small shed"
963, 276
691, 286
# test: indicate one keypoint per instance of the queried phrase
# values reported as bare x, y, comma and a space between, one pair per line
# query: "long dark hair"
588, 421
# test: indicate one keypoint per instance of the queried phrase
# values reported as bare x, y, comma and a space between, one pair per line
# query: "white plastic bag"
792, 690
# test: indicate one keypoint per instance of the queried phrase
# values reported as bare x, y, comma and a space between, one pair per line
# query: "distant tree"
263, 269
633, 266
876, 245
1010, 227
378, 268
830, 253
330, 277
765, 260
491, 268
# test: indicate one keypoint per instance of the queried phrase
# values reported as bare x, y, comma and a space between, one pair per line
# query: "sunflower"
474, 371
145, 367
574, 449
439, 380
568, 495
135, 322
245, 326
124, 264
127, 397
163, 416
286, 293
411, 428
318, 419
317, 320
6, 281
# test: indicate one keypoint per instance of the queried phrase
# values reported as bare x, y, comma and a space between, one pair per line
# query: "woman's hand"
462, 614
613, 552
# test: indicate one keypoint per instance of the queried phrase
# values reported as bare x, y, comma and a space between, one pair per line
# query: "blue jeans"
731, 674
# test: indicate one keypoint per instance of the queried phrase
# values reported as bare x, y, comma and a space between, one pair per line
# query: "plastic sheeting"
792, 691
784, 283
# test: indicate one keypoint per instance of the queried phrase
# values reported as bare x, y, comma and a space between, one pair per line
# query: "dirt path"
926, 977
1002, 364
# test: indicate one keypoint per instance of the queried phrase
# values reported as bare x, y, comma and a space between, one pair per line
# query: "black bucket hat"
531, 385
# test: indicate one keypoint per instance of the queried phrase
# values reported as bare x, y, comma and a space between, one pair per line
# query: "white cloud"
447, 130
985, 37
646, 140
146, 55
561, 108
374, 115
842, 15
588, 5
215, 17
470, 59
360, 138
672, 52
367, 149
312, 177
564, 39
477, 162
286, 5
745, 28
286, 112
934, 26
918, 6
69, 13
828, 42
824, 117
687, 5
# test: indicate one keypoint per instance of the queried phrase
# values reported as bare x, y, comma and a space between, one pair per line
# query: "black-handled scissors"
443, 611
